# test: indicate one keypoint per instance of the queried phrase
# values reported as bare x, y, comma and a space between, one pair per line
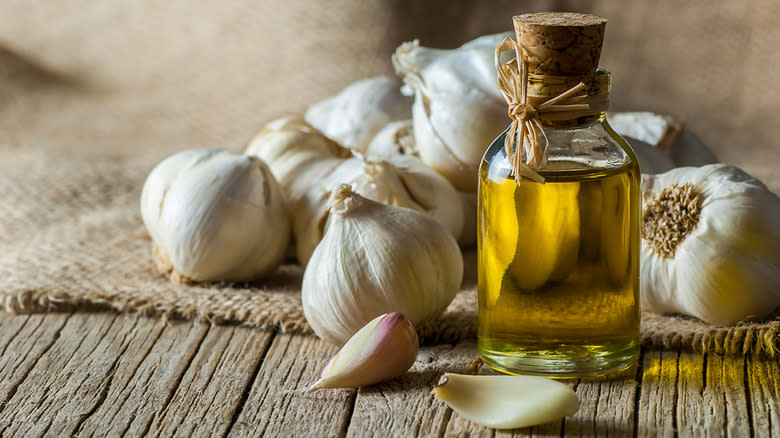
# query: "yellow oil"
558, 271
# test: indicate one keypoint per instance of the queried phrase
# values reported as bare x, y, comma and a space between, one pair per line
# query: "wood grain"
102, 374
274, 408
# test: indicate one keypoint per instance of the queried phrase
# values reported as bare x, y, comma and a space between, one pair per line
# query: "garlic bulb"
383, 349
652, 160
506, 402
358, 112
710, 244
468, 237
297, 154
400, 180
458, 109
214, 215
395, 138
654, 129
374, 259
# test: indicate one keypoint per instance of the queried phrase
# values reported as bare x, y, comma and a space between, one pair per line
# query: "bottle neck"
544, 87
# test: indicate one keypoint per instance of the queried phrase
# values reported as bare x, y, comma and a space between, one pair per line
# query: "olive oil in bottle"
559, 260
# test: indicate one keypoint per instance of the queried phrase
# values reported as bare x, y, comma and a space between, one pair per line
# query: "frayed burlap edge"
458, 323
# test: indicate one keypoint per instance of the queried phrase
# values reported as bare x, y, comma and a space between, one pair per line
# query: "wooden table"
107, 374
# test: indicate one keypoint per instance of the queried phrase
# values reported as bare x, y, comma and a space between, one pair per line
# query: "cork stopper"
561, 43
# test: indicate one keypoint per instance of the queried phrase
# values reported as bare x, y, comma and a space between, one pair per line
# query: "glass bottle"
559, 261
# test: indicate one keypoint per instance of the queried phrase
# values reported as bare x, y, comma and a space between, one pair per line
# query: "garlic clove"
297, 154
506, 402
396, 138
355, 115
383, 349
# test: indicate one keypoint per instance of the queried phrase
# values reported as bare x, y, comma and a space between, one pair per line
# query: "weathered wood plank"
10, 326
725, 404
211, 390
60, 377
763, 380
404, 406
606, 408
690, 390
24, 349
145, 376
272, 408
658, 394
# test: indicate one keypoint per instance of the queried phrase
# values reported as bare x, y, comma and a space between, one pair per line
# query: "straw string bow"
526, 118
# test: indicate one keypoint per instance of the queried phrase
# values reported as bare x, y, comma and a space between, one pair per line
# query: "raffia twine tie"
526, 118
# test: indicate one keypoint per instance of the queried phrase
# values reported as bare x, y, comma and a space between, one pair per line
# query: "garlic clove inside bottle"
383, 349
215, 216
375, 259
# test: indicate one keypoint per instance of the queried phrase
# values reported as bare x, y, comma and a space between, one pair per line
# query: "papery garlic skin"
400, 180
727, 268
215, 215
395, 138
354, 116
383, 349
651, 159
458, 109
297, 154
375, 259
506, 402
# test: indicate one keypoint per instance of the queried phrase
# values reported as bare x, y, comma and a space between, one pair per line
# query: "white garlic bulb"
400, 180
214, 215
357, 113
375, 259
458, 109
652, 160
297, 154
710, 244
395, 138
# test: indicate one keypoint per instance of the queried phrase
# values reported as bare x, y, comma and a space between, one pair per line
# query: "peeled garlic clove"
401, 180
506, 402
710, 245
357, 113
374, 259
215, 216
458, 109
297, 154
383, 349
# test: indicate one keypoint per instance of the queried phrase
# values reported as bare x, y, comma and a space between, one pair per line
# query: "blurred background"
138, 76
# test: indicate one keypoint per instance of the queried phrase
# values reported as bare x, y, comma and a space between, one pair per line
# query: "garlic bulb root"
374, 259
710, 245
215, 216
383, 349
506, 402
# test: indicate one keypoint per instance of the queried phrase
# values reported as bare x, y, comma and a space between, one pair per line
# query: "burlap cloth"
93, 95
